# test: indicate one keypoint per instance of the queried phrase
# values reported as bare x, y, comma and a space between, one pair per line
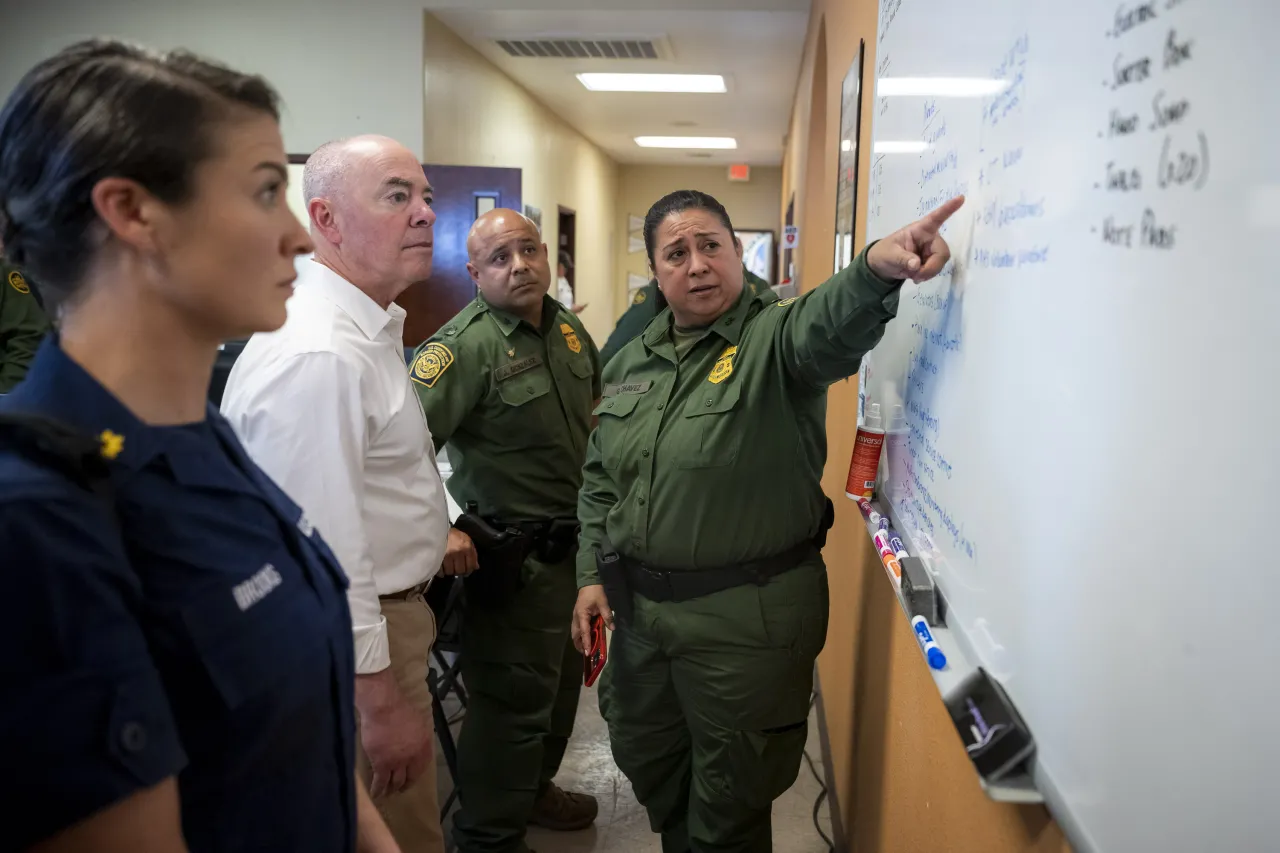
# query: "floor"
623, 826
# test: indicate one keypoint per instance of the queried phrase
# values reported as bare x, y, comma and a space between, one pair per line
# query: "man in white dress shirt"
325, 406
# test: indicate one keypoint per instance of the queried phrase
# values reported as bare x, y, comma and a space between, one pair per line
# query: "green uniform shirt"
22, 326
513, 403
717, 458
648, 303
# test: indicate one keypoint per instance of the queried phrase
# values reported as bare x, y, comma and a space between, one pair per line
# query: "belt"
683, 585
408, 594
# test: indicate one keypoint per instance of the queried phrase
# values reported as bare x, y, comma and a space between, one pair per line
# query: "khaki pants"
413, 815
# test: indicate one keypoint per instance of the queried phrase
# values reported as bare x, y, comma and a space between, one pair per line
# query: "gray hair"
325, 170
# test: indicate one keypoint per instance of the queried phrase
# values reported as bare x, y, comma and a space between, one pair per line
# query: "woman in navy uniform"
176, 666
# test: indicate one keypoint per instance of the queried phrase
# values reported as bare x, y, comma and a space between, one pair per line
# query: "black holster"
613, 576
558, 541
501, 553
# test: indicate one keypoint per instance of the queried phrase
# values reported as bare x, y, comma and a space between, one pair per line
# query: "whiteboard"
1090, 458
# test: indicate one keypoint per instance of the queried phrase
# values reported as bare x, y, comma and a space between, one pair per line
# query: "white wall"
341, 67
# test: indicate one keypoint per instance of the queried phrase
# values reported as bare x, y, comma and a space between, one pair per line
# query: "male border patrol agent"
509, 384
22, 326
649, 303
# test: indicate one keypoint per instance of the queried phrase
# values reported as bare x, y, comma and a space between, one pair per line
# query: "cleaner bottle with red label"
866, 456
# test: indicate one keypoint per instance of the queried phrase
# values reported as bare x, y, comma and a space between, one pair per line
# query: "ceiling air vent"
577, 48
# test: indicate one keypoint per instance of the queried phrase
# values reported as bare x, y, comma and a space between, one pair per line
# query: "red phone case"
593, 662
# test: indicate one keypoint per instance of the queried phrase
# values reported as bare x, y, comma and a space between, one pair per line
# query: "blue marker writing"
932, 653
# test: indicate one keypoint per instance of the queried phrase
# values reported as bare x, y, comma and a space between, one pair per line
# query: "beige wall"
903, 781
474, 115
752, 205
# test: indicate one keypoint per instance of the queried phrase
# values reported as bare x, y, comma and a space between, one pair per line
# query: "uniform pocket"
524, 387
764, 764
615, 419
252, 633
713, 434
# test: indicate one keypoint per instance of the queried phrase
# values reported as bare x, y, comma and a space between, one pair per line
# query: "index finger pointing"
939, 215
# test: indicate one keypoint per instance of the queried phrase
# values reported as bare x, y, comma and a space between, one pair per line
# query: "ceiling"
755, 44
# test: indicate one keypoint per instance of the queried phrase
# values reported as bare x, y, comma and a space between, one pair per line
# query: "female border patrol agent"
176, 666
703, 516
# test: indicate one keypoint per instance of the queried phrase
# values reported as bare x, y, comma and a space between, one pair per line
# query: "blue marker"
883, 524
895, 542
932, 653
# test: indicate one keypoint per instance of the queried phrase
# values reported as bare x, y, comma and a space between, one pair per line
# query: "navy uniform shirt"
199, 628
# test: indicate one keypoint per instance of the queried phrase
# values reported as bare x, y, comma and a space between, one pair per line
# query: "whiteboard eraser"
919, 592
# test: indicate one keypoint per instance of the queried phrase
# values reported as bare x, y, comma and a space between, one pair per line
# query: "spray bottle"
866, 456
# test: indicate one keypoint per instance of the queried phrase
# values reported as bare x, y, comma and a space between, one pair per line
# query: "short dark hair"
678, 202
100, 109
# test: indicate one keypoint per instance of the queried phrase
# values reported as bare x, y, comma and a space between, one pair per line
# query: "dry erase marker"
882, 543
867, 511
895, 568
895, 542
932, 653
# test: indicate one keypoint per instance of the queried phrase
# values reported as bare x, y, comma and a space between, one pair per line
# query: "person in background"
564, 290
649, 302
508, 384
176, 664
702, 499
22, 325
325, 407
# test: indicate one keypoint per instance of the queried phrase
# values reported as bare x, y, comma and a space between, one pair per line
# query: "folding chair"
446, 599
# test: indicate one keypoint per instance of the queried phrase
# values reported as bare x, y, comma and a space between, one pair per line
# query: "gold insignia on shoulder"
112, 443
723, 367
783, 303
571, 338
433, 361
640, 297
18, 283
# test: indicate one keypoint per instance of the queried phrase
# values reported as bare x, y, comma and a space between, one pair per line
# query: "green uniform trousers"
522, 676
707, 703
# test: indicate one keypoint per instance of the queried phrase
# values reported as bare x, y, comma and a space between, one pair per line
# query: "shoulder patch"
18, 283
783, 303
640, 297
571, 338
433, 361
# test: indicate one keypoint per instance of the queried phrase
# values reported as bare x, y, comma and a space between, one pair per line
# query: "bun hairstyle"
679, 202
101, 109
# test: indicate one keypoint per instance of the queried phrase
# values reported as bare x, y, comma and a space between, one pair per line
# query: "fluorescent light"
701, 83
724, 142
905, 146
846, 144
940, 87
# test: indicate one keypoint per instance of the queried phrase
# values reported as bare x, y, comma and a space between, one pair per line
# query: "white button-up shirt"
325, 407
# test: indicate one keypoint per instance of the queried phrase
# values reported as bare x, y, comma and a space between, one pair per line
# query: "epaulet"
464, 318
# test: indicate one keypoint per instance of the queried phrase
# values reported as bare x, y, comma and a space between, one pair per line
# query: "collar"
351, 300
729, 326
60, 388
508, 323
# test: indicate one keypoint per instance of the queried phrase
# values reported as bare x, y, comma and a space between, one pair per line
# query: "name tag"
256, 588
515, 367
627, 388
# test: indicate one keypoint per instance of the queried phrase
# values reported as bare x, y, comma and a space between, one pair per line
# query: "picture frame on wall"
847, 164
758, 252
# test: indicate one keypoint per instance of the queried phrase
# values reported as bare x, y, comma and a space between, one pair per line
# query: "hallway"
623, 826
